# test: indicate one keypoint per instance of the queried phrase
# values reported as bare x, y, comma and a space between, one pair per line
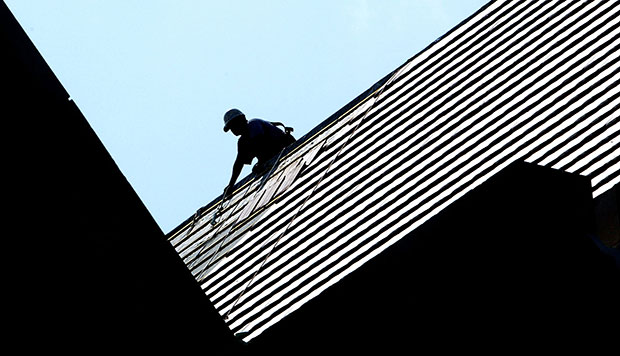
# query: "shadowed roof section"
517, 81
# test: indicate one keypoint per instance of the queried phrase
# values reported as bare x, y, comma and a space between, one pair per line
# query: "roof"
530, 81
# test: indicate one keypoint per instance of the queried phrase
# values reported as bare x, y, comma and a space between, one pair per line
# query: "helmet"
230, 116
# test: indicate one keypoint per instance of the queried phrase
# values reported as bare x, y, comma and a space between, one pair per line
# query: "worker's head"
235, 121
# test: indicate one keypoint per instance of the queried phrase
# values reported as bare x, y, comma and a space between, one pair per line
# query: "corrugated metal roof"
534, 81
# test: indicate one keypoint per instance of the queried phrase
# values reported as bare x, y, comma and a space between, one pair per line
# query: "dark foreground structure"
94, 270
510, 266
525, 259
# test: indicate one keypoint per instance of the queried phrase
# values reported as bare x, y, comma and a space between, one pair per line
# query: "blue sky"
154, 78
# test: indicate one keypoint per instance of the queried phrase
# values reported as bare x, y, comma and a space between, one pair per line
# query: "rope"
377, 95
219, 208
196, 217
232, 226
204, 269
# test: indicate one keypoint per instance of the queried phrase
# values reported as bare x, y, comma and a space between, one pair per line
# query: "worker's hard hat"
230, 116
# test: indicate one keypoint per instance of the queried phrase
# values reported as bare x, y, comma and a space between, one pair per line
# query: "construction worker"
257, 138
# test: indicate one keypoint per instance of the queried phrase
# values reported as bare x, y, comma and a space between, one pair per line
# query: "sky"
155, 77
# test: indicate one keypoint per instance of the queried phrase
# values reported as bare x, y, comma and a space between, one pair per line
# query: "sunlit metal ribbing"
534, 81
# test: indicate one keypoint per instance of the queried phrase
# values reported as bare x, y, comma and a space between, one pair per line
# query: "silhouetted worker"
258, 138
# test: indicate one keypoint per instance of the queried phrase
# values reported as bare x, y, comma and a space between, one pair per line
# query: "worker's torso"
262, 141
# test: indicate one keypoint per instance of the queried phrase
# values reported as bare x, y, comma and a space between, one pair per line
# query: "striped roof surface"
518, 80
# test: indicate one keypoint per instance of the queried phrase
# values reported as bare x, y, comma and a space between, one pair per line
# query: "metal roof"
534, 81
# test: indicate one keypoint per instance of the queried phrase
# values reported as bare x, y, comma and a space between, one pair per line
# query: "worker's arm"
237, 167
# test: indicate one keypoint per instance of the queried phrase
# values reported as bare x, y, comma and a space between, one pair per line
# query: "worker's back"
262, 140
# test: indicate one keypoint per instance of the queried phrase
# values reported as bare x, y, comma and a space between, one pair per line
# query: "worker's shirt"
263, 141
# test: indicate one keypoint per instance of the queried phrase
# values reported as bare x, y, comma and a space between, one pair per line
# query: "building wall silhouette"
91, 271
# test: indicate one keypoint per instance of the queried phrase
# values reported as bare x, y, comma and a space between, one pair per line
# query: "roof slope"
533, 81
